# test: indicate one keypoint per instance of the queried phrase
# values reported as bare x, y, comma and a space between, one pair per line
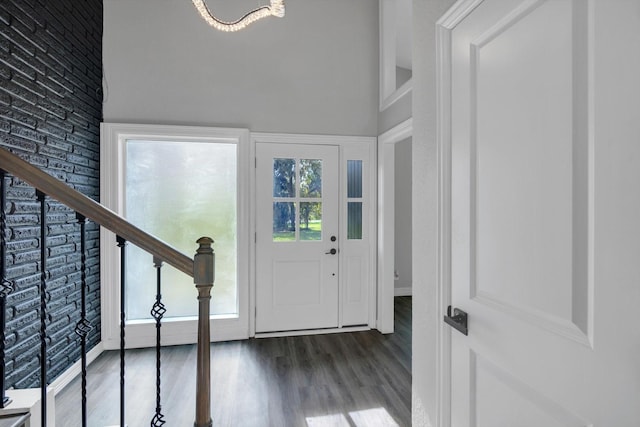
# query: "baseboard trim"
70, 374
405, 291
312, 332
27, 401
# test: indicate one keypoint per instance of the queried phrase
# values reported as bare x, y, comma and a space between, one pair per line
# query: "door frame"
344, 143
386, 221
444, 28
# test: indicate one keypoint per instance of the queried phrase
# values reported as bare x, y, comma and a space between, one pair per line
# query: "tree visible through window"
297, 205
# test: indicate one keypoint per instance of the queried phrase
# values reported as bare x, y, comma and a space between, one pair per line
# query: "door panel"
523, 222
532, 161
502, 398
297, 214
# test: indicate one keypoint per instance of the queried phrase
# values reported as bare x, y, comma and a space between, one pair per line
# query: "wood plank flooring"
349, 379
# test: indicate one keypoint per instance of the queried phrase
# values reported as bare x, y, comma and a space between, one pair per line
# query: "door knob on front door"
333, 251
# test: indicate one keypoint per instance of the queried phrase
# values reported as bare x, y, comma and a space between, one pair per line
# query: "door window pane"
284, 221
284, 178
310, 178
354, 178
354, 220
310, 221
354, 199
180, 191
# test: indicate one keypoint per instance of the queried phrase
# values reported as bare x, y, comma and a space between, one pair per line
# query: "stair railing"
201, 268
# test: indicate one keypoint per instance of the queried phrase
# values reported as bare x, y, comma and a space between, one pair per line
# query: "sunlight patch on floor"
337, 420
376, 417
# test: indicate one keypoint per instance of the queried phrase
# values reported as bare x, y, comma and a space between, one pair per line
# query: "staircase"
200, 267
19, 420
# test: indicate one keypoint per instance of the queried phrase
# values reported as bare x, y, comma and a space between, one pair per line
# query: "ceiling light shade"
276, 8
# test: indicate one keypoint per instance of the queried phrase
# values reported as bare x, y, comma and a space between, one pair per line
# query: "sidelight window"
354, 199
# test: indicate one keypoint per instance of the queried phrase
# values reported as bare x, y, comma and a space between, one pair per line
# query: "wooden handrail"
201, 267
94, 211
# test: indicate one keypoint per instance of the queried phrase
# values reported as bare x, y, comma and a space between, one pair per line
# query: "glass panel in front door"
310, 221
284, 178
297, 200
284, 221
310, 178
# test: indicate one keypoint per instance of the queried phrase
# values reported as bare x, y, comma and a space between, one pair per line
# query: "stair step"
15, 420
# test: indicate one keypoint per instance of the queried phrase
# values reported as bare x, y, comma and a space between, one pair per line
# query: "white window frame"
114, 137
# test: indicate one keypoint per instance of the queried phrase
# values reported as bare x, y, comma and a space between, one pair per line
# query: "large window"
177, 183
179, 191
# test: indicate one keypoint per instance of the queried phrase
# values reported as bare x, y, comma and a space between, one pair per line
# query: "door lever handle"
333, 251
458, 320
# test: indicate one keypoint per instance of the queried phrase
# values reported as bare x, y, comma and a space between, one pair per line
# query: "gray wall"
313, 71
403, 225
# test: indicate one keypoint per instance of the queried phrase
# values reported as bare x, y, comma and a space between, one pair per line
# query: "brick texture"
50, 113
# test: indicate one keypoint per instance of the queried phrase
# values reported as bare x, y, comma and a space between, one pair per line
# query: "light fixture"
276, 8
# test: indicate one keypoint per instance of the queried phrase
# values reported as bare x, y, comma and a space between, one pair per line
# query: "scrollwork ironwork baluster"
122, 245
83, 327
157, 311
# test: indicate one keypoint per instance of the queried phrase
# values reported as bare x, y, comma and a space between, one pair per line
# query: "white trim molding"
444, 28
386, 221
403, 291
74, 370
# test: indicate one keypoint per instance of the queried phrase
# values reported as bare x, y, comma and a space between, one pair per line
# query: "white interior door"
539, 253
297, 237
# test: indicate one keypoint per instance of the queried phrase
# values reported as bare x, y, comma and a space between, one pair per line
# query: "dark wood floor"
348, 379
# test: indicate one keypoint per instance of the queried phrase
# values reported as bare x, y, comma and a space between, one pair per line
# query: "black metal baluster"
43, 305
6, 287
83, 327
157, 311
121, 244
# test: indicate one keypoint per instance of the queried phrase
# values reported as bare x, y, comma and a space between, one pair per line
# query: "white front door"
544, 213
297, 240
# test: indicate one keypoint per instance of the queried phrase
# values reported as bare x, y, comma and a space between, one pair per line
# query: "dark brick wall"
50, 113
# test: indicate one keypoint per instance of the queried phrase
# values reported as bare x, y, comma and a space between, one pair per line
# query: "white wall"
425, 212
313, 71
403, 226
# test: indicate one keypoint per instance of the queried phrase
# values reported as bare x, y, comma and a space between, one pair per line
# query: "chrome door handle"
333, 251
458, 321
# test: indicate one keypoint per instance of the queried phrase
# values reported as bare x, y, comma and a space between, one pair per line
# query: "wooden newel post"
203, 277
